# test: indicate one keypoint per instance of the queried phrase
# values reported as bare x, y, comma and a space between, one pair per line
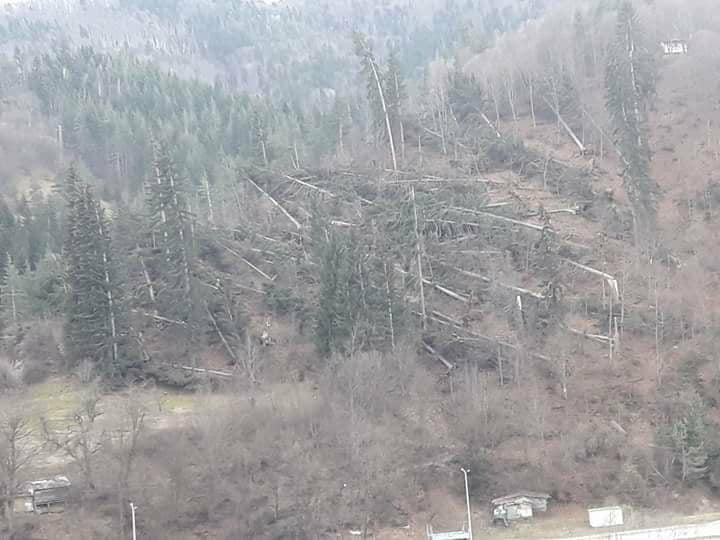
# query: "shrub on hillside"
37, 347
282, 300
9, 377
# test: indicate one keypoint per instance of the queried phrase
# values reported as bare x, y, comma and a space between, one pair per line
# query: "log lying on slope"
277, 204
566, 127
429, 348
202, 371
485, 279
525, 224
611, 281
305, 184
593, 337
248, 263
532, 226
447, 292
159, 317
434, 179
490, 125
220, 334
446, 320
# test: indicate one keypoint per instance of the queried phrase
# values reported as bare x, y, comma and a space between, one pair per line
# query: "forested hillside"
293, 264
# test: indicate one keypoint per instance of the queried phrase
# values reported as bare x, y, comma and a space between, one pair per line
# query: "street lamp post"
132, 512
467, 501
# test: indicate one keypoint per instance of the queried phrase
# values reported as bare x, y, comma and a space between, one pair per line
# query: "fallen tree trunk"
490, 124
449, 365
445, 181
519, 223
248, 263
338, 223
277, 204
447, 292
251, 289
305, 184
251, 265
485, 206
446, 320
485, 279
594, 337
611, 281
567, 128
532, 226
224, 341
159, 317
216, 372
603, 135
442, 138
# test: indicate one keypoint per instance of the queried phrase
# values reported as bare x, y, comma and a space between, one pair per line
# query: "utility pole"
467, 500
132, 512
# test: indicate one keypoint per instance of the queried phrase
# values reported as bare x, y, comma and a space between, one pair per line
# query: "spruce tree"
13, 299
170, 235
260, 138
30, 239
465, 96
583, 56
337, 306
96, 322
630, 84
394, 86
358, 304
7, 231
376, 93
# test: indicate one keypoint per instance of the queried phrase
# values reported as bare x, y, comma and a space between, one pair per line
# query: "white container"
609, 516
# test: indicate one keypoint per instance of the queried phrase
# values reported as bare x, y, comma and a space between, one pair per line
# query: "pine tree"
685, 433
337, 305
376, 92
3, 284
394, 86
358, 304
583, 56
13, 298
30, 238
7, 231
170, 230
341, 123
465, 97
260, 137
96, 326
630, 83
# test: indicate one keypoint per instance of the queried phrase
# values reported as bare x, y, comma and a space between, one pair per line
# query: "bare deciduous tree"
80, 441
18, 448
125, 443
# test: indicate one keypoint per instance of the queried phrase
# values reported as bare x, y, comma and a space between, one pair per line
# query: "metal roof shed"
43, 496
537, 500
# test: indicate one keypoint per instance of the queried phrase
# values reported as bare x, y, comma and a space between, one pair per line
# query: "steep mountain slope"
483, 303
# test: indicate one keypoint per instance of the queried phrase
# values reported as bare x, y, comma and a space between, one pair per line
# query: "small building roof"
521, 495
457, 535
604, 508
58, 482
